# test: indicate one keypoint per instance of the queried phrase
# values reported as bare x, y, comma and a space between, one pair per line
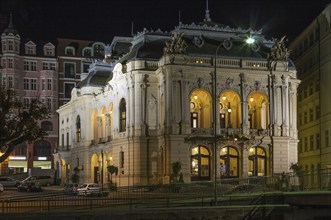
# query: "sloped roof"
99, 75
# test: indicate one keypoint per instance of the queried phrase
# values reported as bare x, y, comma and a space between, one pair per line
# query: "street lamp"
215, 122
242, 140
229, 116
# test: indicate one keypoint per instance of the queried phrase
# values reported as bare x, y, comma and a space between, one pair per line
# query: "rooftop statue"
176, 45
278, 52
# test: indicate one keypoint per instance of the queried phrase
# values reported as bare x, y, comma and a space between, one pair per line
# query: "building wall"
311, 54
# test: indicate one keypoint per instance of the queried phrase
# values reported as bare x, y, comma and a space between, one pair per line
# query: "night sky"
100, 20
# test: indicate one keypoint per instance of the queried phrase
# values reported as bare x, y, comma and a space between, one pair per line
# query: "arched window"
69, 50
201, 109
99, 50
257, 162
78, 128
47, 126
229, 162
230, 109
200, 163
87, 52
258, 111
122, 115
42, 148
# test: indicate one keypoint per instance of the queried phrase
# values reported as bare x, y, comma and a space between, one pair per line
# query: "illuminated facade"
312, 58
153, 106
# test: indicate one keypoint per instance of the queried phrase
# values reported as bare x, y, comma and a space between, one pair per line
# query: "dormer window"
99, 50
30, 48
49, 49
69, 51
87, 52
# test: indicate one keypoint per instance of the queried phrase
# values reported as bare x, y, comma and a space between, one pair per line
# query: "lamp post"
0, 75
101, 171
249, 40
215, 122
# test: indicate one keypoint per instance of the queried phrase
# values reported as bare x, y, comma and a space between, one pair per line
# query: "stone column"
284, 106
244, 103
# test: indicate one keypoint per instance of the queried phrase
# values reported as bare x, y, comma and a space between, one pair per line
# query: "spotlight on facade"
250, 40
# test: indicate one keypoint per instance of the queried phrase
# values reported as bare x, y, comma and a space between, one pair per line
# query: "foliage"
75, 178
18, 122
112, 169
176, 168
296, 168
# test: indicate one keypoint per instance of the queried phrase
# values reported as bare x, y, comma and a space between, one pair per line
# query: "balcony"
109, 138
102, 140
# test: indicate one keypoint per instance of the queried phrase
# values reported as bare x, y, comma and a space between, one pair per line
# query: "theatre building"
219, 100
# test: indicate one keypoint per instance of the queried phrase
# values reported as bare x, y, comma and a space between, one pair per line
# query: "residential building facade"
44, 70
312, 58
30, 69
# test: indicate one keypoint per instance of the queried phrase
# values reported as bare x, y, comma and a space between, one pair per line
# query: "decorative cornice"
218, 28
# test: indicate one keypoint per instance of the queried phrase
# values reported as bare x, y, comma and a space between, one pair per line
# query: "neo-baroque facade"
157, 103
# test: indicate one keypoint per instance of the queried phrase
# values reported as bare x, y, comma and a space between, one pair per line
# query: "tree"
19, 123
176, 167
296, 168
112, 170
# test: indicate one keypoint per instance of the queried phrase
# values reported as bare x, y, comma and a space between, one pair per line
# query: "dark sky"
100, 20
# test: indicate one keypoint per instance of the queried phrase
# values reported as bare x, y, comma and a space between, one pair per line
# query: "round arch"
230, 109
201, 108
257, 161
258, 110
200, 163
229, 162
95, 175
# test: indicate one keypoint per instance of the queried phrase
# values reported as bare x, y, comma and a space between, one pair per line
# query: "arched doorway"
229, 162
95, 175
200, 163
257, 162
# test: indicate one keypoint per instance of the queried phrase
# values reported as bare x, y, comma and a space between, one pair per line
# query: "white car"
89, 189
1, 188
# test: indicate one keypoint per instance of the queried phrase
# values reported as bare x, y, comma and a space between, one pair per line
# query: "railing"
230, 192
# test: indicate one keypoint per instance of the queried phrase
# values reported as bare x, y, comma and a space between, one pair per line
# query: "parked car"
29, 187
9, 182
43, 180
89, 189
1, 188
70, 189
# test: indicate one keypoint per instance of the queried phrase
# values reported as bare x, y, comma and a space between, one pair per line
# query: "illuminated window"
257, 162
194, 119
200, 163
229, 162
